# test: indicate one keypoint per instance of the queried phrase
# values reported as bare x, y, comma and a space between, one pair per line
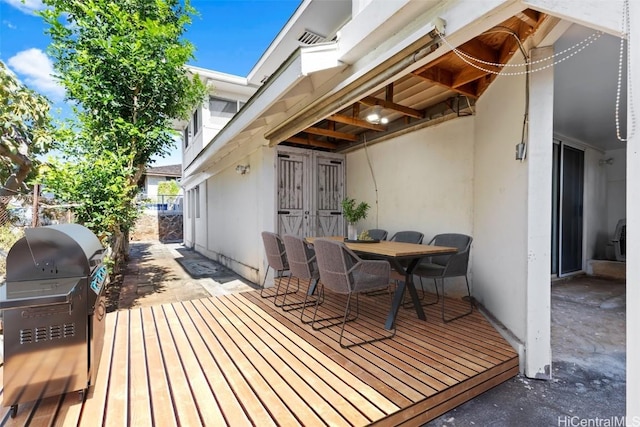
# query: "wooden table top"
392, 249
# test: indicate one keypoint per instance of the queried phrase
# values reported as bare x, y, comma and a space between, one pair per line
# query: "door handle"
336, 213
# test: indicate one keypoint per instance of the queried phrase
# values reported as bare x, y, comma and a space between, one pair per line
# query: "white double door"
310, 190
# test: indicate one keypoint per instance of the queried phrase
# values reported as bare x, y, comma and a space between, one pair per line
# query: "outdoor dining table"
403, 257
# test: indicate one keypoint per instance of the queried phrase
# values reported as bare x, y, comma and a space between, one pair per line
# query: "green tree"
25, 131
122, 64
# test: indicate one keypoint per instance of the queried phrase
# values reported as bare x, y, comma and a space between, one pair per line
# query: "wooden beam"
370, 100
311, 142
355, 122
389, 92
331, 134
356, 110
445, 78
529, 17
477, 49
470, 74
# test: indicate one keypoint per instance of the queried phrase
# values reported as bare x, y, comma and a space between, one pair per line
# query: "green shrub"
8, 236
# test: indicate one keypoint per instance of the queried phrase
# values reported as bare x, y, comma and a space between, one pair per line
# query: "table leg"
398, 296
312, 286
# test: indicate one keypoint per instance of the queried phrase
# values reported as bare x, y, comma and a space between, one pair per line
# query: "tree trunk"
118, 250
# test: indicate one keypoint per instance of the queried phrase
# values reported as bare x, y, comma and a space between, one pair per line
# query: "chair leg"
408, 304
264, 281
289, 306
319, 300
461, 315
286, 292
314, 320
358, 343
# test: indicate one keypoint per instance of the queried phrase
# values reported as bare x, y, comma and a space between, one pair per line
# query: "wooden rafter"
348, 120
446, 78
370, 100
311, 142
331, 134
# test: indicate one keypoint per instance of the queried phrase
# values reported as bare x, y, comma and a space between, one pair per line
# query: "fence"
17, 213
162, 203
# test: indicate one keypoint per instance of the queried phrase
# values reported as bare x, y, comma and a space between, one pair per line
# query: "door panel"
310, 191
292, 194
571, 210
329, 194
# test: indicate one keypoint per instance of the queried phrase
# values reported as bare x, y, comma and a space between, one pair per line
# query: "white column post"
539, 162
633, 218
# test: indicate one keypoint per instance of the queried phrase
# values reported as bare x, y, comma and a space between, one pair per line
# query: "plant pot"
352, 231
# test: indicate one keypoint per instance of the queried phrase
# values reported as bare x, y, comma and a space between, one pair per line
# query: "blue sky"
229, 36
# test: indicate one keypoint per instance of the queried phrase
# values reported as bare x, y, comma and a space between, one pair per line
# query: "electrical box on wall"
520, 151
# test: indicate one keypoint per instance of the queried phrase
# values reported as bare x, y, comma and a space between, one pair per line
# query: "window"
185, 137
219, 107
197, 197
196, 125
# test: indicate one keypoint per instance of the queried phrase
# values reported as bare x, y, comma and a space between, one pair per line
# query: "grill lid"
54, 251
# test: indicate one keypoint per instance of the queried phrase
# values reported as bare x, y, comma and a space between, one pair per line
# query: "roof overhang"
296, 77
317, 82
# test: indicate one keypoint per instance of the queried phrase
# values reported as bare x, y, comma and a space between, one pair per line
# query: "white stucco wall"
595, 207
500, 205
425, 183
616, 176
241, 207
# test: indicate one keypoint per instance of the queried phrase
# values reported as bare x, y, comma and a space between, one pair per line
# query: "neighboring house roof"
169, 170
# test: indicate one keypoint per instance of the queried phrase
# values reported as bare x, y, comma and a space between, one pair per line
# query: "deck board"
238, 360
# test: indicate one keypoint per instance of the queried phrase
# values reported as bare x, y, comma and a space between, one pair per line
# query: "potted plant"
353, 213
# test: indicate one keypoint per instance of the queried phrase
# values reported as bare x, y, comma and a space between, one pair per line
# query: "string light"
558, 57
579, 46
625, 34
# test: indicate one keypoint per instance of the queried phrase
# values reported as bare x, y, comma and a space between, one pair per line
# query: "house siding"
425, 183
500, 210
240, 208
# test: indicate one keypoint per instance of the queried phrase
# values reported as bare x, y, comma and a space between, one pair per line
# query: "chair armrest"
370, 274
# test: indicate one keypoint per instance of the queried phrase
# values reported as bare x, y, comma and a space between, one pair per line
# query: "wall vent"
309, 38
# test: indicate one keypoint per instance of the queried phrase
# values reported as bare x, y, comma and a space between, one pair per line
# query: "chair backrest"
377, 234
275, 251
302, 258
335, 262
408, 237
457, 264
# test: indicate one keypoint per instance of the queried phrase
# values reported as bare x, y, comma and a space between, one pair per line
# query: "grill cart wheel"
14, 411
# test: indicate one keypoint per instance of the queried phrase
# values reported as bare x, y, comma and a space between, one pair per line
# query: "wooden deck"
238, 360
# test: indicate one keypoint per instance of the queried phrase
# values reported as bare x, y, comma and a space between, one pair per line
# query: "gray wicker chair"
443, 266
343, 272
407, 237
377, 234
276, 259
302, 265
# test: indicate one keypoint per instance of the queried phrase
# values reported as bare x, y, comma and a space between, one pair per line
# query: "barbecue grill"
54, 310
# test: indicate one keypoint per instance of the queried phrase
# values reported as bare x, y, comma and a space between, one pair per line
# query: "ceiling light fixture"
375, 116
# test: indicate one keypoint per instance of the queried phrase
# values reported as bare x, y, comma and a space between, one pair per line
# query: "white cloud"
28, 6
36, 70
9, 24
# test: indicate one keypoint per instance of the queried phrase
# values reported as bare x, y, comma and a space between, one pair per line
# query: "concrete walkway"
160, 273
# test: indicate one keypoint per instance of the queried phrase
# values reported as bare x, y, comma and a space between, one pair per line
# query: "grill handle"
41, 301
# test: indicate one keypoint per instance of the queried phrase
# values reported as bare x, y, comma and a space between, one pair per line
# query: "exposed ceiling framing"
426, 93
